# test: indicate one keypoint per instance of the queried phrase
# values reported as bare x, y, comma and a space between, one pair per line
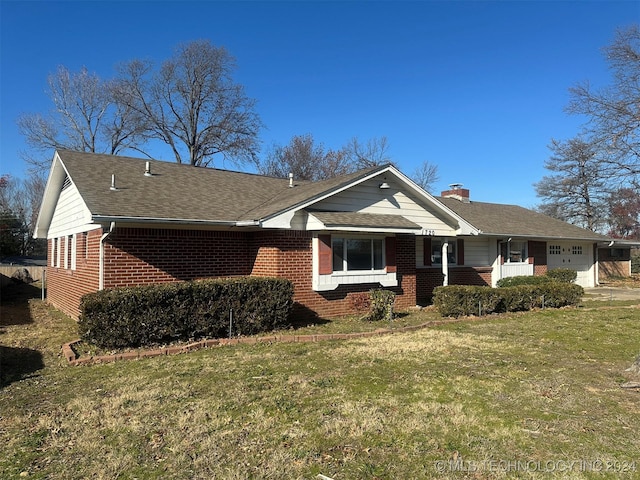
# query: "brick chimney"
456, 191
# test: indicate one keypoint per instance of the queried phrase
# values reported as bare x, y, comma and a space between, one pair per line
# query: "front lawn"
504, 396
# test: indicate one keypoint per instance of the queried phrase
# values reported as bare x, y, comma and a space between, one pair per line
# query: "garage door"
575, 256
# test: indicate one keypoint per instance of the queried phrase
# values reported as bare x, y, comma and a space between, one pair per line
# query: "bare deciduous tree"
85, 118
613, 113
426, 175
193, 105
306, 159
576, 192
372, 153
309, 160
19, 206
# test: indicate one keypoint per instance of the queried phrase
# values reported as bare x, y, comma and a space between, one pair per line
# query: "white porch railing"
516, 269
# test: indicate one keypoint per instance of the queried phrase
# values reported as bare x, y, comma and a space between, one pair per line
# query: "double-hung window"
436, 251
516, 252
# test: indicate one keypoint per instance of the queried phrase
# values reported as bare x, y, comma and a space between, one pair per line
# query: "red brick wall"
480, 276
428, 278
539, 270
613, 266
288, 254
135, 256
406, 291
65, 287
431, 277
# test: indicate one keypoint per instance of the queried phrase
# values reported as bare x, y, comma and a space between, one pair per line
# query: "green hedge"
523, 280
156, 314
564, 275
462, 300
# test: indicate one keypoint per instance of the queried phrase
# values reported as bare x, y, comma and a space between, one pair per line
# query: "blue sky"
476, 88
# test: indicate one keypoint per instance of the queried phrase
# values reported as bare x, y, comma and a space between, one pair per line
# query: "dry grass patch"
536, 386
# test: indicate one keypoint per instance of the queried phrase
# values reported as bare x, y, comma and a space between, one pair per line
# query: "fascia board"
542, 237
169, 221
52, 189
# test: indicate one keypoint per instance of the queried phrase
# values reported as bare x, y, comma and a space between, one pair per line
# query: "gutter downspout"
112, 227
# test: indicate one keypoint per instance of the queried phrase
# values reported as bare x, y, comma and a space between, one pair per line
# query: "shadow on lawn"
17, 363
14, 303
302, 317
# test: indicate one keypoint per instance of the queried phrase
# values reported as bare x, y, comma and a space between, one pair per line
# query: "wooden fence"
7, 270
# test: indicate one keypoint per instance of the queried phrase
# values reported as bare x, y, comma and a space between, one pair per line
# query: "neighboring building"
614, 260
116, 221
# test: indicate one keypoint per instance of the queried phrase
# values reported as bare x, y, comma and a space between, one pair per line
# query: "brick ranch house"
115, 221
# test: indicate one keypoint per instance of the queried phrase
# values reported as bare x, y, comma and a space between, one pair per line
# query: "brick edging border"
73, 360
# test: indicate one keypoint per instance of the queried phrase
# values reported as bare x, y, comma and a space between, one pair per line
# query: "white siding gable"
70, 215
367, 197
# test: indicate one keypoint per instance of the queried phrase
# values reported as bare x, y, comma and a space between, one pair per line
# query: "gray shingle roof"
364, 220
499, 219
184, 192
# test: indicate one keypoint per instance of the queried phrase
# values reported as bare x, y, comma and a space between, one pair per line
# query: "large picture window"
357, 254
353, 259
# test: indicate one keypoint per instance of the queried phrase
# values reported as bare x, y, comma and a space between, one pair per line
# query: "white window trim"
67, 246
322, 283
58, 252
74, 251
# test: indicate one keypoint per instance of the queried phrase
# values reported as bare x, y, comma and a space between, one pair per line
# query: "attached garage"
577, 256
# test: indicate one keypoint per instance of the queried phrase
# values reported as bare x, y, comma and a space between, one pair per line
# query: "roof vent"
113, 183
456, 191
147, 170
290, 179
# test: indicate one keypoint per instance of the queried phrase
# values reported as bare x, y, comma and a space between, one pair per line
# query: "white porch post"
445, 262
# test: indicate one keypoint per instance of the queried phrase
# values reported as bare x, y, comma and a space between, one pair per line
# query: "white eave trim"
50, 197
543, 238
348, 228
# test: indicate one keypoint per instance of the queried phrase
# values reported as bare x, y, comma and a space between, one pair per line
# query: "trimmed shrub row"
156, 314
563, 275
461, 300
